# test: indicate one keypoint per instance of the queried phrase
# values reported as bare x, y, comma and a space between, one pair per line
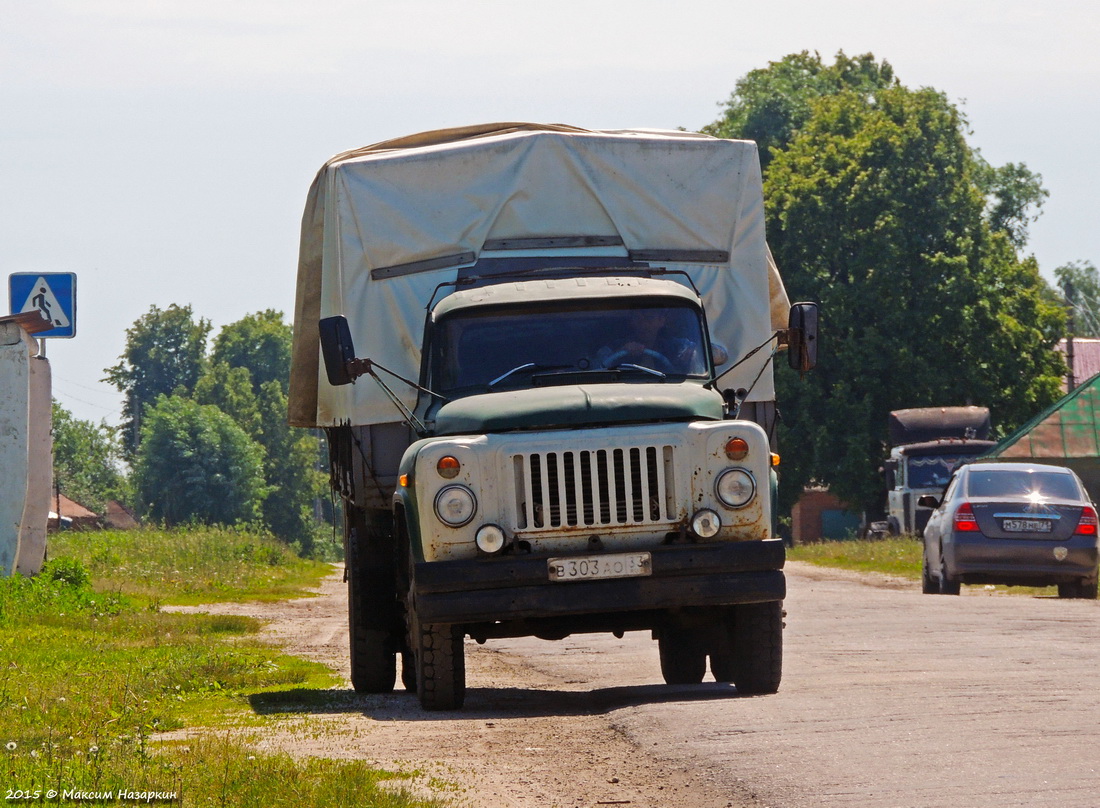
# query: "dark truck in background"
926, 445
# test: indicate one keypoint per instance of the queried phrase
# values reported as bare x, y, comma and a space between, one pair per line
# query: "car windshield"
476, 351
1017, 484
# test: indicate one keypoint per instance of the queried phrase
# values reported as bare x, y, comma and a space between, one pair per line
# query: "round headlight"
736, 488
706, 523
490, 539
455, 505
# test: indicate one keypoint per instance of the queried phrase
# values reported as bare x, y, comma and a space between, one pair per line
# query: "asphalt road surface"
890, 699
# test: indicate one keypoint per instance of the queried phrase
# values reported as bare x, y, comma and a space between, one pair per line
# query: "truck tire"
370, 615
683, 657
440, 667
752, 656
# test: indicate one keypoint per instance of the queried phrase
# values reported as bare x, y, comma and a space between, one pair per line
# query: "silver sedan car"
1019, 524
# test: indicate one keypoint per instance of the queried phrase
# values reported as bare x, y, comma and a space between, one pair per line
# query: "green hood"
579, 405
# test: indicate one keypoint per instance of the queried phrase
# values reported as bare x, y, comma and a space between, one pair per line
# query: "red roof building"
1086, 360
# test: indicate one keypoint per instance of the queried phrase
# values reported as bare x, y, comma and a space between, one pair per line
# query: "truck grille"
594, 488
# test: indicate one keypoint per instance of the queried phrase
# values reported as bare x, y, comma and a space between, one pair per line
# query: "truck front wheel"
749, 652
683, 656
440, 666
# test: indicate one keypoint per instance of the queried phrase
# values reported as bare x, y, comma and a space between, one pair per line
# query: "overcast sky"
162, 150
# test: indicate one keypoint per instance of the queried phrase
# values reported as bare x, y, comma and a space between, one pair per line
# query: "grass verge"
898, 556
189, 566
91, 671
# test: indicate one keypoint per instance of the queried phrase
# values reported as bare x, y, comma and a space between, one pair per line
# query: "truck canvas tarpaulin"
385, 225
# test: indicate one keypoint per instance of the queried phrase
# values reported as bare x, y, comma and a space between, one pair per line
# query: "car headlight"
735, 488
455, 505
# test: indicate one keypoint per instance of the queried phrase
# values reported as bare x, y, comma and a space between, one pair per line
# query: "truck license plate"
1027, 526
588, 568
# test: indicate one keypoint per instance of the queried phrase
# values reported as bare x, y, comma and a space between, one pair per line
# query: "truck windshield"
496, 349
933, 471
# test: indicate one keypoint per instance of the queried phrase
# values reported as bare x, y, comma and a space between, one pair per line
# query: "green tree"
260, 342
165, 352
1014, 196
771, 104
230, 390
195, 464
248, 378
874, 209
87, 461
1079, 283
289, 469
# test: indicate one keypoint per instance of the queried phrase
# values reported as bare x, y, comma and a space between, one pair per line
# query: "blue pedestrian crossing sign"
51, 293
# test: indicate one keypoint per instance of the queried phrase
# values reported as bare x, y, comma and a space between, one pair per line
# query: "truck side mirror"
718, 354
337, 349
890, 470
802, 327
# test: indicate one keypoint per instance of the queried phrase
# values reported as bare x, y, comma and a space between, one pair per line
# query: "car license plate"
1027, 526
589, 568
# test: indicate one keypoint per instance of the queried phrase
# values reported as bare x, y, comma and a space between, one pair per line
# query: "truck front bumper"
519, 587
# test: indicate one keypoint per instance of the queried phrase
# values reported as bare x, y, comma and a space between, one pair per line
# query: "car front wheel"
928, 584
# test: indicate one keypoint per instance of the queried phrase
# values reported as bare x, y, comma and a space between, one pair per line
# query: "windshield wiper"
643, 368
534, 367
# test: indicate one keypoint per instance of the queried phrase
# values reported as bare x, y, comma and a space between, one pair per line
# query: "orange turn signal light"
737, 448
448, 467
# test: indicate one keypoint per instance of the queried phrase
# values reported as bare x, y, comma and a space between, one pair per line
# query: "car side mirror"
337, 349
928, 501
802, 337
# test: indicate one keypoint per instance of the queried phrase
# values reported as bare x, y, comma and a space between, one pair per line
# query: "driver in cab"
647, 344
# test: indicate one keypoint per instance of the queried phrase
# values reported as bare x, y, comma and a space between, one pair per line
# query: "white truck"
569, 337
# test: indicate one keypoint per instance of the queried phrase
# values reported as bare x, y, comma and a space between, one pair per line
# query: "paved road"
890, 698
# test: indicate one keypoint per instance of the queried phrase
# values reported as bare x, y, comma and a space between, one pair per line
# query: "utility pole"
1071, 379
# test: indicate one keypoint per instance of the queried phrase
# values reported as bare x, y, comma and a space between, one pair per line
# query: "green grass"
91, 674
188, 566
898, 556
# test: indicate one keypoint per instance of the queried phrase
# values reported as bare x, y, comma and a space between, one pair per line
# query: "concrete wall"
36, 511
25, 451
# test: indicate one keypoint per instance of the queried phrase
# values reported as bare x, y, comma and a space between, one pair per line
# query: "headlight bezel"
726, 497
456, 489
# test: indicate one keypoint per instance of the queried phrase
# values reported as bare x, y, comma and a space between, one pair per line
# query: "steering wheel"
662, 361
